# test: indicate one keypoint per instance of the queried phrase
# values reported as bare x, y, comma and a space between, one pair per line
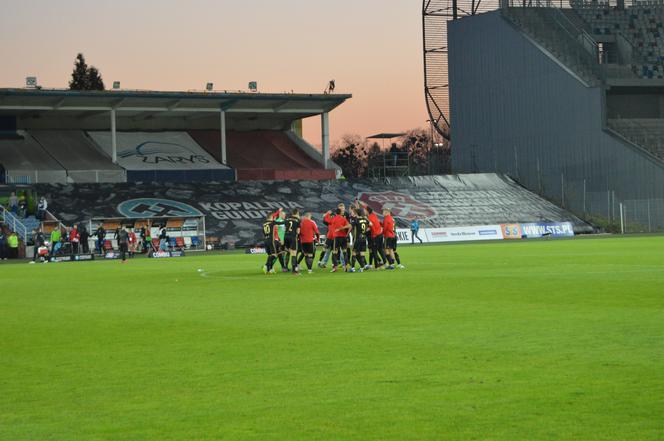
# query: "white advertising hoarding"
453, 234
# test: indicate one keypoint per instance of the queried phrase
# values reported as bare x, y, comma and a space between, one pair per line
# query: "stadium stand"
163, 156
82, 159
560, 36
646, 132
485, 199
264, 155
642, 25
234, 212
25, 161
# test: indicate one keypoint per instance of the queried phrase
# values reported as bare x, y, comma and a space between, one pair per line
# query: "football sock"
396, 256
381, 252
310, 262
294, 263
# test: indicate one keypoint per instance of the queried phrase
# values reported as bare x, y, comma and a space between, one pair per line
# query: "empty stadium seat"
642, 25
645, 132
263, 155
79, 155
26, 162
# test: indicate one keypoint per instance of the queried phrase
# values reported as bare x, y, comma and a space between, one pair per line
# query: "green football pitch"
542, 340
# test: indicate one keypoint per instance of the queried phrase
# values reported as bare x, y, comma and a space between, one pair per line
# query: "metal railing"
386, 164
12, 221
64, 176
614, 4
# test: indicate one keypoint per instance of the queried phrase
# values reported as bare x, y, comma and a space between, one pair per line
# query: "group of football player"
292, 238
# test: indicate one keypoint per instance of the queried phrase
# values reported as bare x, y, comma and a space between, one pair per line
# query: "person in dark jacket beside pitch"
123, 243
101, 237
85, 237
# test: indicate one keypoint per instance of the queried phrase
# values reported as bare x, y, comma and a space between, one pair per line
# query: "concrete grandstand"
57, 136
568, 99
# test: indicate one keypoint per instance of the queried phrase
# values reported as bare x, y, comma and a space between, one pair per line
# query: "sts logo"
402, 205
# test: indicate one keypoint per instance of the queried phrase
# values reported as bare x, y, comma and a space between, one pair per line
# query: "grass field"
550, 340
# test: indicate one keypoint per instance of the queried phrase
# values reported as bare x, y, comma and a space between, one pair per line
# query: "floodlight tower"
435, 15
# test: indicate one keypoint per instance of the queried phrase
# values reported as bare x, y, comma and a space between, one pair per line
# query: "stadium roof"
182, 104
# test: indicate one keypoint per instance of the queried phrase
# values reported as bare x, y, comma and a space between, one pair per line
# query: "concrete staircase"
645, 132
561, 37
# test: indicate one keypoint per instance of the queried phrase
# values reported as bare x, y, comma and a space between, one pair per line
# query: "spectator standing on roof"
42, 206
13, 203
12, 242
4, 252
56, 235
101, 237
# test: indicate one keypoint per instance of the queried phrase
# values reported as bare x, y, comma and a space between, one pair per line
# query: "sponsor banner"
535, 230
157, 151
166, 254
511, 231
403, 235
112, 255
461, 234
256, 250
73, 258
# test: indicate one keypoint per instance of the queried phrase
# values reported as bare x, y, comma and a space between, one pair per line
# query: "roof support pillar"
222, 128
325, 137
114, 138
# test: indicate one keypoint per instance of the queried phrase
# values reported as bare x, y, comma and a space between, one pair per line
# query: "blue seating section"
642, 25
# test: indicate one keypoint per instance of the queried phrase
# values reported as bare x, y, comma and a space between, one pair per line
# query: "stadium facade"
568, 101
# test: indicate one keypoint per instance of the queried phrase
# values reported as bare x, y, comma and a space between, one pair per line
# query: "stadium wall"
516, 110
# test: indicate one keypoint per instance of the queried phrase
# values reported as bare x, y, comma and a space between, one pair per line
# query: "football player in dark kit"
269, 243
361, 228
377, 246
292, 238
